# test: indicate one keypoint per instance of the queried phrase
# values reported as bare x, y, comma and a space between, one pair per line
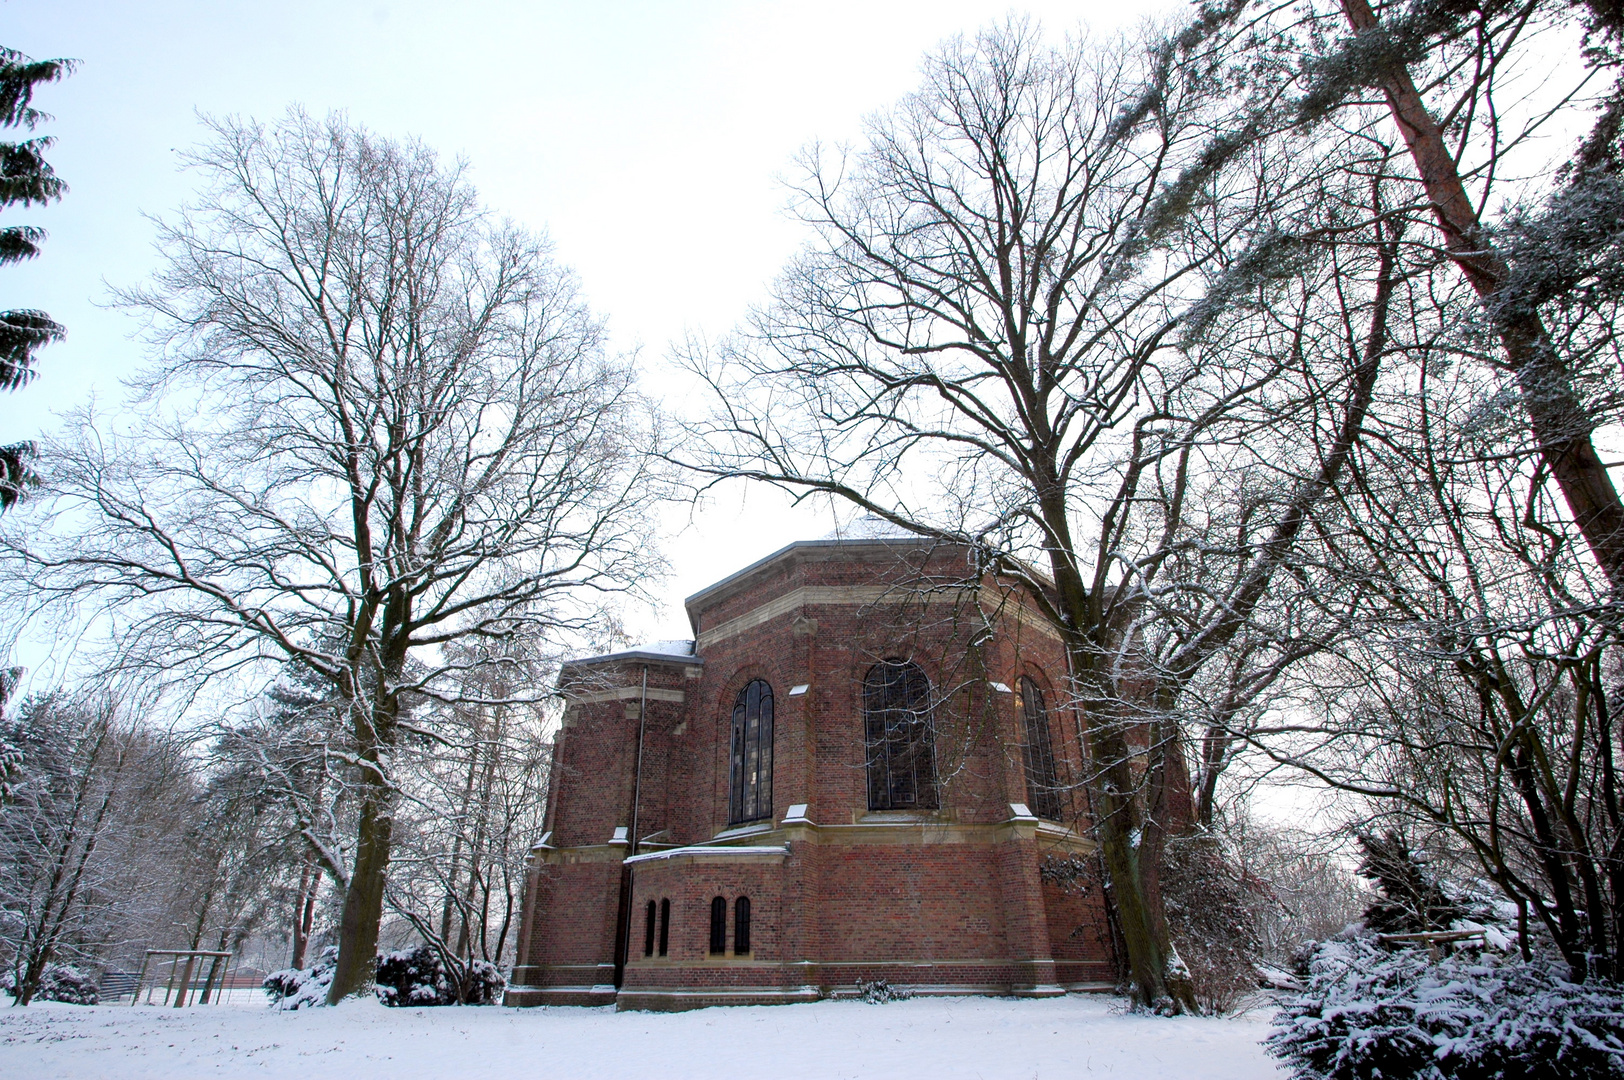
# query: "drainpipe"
623, 944
637, 780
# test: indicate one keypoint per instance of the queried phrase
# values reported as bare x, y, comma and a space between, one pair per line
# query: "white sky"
646, 137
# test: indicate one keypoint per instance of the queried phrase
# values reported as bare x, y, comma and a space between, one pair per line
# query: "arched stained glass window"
1042, 786
898, 731
750, 786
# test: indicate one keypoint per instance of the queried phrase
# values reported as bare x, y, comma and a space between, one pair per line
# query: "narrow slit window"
648, 932
741, 926
1042, 785
900, 737
750, 786
718, 941
665, 925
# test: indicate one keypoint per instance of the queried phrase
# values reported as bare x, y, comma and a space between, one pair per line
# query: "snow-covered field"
937, 1038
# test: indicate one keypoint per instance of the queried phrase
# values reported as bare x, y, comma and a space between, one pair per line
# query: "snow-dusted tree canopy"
380, 440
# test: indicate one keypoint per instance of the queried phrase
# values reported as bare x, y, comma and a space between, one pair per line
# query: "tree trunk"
1118, 814
363, 900
304, 909
1120, 826
1561, 427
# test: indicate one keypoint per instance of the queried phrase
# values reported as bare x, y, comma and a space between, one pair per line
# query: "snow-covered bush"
419, 976
302, 988
63, 982
878, 991
1211, 909
1369, 1012
59, 982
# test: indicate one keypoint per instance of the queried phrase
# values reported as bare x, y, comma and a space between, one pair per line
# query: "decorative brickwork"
950, 899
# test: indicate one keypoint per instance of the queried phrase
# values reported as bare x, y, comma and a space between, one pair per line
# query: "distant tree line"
123, 834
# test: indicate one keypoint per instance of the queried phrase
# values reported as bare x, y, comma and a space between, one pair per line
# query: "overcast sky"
647, 138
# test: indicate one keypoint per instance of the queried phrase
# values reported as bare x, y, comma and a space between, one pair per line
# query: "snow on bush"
63, 982
418, 976
878, 991
1369, 1012
302, 988
59, 982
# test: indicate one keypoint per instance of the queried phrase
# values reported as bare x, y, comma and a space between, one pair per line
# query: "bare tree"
472, 808
995, 340
1472, 702
378, 423
89, 842
1476, 704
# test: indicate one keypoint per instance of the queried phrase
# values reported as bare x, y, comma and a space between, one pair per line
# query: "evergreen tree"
26, 179
1409, 900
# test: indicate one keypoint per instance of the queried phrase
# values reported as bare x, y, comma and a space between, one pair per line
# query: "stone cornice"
869, 596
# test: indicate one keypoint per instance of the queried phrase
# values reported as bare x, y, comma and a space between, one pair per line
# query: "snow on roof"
712, 849
674, 647
654, 650
869, 527
862, 529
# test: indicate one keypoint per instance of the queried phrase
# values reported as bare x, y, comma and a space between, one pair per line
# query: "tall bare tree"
992, 340
378, 422
1475, 705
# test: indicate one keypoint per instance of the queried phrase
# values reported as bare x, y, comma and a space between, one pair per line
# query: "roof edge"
691, 660
766, 560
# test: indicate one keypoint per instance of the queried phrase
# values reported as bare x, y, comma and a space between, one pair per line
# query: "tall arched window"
741, 926
665, 925
1042, 787
750, 787
718, 941
897, 728
648, 932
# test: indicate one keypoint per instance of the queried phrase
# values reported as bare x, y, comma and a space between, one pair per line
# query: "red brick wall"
864, 905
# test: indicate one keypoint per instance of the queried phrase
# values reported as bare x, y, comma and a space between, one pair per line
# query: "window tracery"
1042, 785
750, 784
899, 736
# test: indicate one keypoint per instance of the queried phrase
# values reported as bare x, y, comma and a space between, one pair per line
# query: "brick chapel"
862, 767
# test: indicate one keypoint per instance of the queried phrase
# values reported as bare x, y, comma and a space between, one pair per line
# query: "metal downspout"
623, 947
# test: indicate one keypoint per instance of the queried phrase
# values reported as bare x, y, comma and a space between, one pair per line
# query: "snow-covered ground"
937, 1038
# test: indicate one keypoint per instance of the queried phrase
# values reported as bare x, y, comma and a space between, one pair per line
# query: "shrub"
59, 982
1369, 1012
1211, 907
62, 982
296, 988
878, 991
419, 976
1409, 899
